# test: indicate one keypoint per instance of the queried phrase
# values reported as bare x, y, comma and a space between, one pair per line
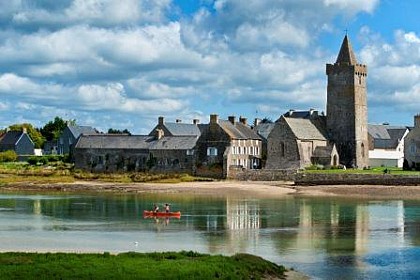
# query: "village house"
120, 153
19, 142
69, 136
299, 140
227, 144
412, 146
177, 128
263, 128
386, 145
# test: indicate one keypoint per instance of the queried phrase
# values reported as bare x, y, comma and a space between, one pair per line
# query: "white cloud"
93, 12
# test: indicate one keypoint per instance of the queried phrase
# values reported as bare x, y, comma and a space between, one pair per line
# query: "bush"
8, 156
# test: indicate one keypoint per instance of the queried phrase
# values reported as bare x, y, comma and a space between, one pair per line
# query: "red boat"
161, 214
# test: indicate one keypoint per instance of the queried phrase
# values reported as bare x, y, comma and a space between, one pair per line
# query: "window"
212, 151
190, 152
282, 149
413, 148
363, 149
251, 150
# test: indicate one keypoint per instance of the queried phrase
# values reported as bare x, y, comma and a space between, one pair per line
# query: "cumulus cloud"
395, 72
92, 12
111, 62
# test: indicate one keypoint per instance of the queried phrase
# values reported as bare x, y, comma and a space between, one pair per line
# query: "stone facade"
412, 146
121, 153
296, 143
227, 144
347, 107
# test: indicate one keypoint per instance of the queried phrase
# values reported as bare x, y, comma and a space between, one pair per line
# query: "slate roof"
264, 129
386, 136
116, 141
346, 54
78, 130
305, 129
238, 130
183, 129
11, 138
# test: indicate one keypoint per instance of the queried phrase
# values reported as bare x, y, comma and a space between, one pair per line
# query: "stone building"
19, 142
386, 145
347, 107
113, 152
69, 136
299, 140
227, 144
412, 146
177, 128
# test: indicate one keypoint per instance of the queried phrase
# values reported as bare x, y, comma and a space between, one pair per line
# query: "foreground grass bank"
169, 265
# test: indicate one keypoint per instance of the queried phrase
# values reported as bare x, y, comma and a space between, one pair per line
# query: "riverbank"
222, 188
167, 265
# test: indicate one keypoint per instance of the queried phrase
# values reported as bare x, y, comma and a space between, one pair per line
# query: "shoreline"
268, 189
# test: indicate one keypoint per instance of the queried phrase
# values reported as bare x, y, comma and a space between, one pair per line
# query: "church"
301, 139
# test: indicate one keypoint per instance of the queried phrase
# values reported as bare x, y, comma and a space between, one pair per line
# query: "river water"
325, 238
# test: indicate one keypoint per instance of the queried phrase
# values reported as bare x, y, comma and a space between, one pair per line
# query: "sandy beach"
238, 188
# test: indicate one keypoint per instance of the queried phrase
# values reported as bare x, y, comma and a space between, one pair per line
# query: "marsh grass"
169, 265
56, 172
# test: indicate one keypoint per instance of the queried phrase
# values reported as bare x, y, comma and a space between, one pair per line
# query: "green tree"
53, 129
35, 135
117, 131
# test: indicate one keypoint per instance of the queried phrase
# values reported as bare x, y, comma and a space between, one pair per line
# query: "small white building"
386, 145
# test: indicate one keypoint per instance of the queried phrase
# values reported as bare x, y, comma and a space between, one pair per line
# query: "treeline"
51, 131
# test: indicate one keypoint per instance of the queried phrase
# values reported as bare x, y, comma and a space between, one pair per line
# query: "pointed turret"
346, 55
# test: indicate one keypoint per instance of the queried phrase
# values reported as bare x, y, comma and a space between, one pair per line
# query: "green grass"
373, 170
169, 265
57, 172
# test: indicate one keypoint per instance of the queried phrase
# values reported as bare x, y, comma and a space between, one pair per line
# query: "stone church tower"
347, 107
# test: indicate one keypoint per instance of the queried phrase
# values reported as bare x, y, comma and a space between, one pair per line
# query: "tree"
117, 131
53, 129
35, 135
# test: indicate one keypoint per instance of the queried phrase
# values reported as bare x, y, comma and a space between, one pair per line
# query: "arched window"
363, 149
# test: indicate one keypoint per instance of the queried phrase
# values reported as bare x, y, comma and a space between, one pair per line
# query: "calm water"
324, 238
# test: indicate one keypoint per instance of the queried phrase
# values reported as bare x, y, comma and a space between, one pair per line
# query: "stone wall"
262, 174
304, 179
356, 179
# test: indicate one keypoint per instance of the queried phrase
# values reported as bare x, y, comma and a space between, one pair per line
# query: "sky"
123, 63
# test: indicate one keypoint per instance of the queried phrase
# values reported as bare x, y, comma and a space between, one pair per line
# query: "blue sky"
122, 63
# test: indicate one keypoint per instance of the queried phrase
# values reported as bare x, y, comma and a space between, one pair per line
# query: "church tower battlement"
347, 107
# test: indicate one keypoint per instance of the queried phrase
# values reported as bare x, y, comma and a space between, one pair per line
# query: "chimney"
196, 121
232, 119
24, 130
257, 122
161, 120
178, 121
291, 111
214, 119
159, 134
243, 120
417, 120
313, 112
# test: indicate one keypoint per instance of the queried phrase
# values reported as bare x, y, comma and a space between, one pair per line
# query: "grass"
169, 265
12, 173
374, 170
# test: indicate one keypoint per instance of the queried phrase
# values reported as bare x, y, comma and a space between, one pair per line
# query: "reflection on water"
325, 238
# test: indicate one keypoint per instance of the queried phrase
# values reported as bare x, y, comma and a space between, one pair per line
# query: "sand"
238, 188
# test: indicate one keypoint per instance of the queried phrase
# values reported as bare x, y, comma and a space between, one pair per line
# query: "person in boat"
155, 208
167, 210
